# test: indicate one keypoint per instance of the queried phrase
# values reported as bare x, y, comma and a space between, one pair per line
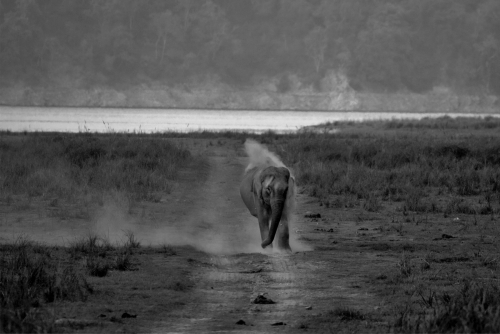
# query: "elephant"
268, 191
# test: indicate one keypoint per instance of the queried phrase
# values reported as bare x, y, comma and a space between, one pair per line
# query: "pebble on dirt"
128, 315
324, 230
445, 236
312, 215
241, 322
261, 299
281, 323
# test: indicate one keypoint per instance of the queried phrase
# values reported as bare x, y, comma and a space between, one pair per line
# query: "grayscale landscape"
127, 128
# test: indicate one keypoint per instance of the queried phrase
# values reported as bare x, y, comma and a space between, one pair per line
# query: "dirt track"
226, 285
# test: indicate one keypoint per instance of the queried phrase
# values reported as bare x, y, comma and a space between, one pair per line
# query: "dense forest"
382, 46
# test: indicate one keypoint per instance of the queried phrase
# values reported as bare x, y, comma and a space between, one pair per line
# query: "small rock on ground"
281, 323
263, 300
312, 215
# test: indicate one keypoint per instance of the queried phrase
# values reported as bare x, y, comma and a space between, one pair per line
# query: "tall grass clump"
70, 166
100, 256
28, 280
473, 308
90, 245
131, 241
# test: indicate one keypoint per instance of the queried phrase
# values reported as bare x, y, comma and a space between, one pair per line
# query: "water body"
183, 120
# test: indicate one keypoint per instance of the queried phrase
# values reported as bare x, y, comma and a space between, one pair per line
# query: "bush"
97, 266
91, 245
123, 261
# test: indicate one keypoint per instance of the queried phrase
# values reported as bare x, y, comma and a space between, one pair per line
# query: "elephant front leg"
264, 217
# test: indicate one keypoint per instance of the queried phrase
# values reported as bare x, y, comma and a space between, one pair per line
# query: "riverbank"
219, 96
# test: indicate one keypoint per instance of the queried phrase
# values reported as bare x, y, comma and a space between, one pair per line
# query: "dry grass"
473, 308
71, 176
432, 190
410, 162
81, 169
427, 194
101, 256
34, 277
29, 279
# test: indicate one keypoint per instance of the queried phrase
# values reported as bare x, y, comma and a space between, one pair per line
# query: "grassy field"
421, 178
71, 176
77, 166
431, 187
445, 165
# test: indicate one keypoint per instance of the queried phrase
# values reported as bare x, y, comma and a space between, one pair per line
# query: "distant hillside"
223, 97
268, 53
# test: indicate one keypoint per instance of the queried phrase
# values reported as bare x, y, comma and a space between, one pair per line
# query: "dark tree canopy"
380, 45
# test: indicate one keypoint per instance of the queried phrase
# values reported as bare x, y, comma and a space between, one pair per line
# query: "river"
183, 120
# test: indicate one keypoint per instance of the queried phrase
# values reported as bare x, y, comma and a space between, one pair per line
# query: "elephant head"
275, 189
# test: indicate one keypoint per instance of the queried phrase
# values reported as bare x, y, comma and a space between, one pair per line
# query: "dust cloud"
112, 220
212, 230
259, 155
210, 216
207, 229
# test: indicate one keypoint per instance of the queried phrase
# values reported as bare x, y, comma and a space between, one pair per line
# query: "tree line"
379, 45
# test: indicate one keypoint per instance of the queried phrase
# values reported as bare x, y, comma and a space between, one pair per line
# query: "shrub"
91, 245
123, 261
97, 266
131, 241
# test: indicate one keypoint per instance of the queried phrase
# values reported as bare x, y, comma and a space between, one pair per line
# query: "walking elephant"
268, 191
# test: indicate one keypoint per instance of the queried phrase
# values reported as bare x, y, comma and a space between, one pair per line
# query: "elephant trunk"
277, 206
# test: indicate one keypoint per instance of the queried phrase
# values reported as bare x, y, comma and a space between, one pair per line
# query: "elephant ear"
284, 171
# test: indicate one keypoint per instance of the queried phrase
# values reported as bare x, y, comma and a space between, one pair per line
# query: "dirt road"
304, 285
